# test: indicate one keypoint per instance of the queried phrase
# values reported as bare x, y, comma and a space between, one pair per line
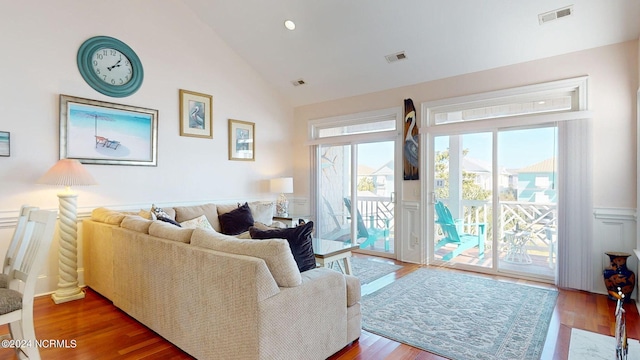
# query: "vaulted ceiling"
339, 46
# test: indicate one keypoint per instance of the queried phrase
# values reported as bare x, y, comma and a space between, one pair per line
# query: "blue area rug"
368, 270
461, 316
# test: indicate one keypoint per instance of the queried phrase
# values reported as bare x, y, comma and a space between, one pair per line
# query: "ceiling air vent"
555, 14
395, 57
298, 82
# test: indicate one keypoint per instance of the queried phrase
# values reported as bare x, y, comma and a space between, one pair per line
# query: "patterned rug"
368, 270
461, 316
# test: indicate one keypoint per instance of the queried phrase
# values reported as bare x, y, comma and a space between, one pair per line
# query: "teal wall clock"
110, 66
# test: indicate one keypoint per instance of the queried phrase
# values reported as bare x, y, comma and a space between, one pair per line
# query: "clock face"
112, 67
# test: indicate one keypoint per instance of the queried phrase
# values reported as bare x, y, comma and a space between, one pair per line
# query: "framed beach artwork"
97, 132
241, 140
196, 113
5, 143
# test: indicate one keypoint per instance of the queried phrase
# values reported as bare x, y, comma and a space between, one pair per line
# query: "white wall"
39, 44
613, 82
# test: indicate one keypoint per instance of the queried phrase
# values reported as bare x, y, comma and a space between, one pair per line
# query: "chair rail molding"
614, 230
412, 247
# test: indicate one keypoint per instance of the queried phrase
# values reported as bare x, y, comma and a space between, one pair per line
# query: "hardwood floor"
93, 328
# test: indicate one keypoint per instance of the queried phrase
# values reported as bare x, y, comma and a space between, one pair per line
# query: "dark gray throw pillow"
236, 221
299, 239
169, 220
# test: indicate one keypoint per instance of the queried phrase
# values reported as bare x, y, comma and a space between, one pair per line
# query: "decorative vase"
617, 275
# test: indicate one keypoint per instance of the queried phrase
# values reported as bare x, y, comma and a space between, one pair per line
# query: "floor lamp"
68, 172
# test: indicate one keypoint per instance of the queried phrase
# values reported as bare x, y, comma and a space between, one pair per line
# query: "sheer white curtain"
575, 205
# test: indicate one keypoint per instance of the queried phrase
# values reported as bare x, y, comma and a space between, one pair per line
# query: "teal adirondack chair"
371, 233
452, 230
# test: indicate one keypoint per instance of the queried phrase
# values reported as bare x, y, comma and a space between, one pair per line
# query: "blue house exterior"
537, 182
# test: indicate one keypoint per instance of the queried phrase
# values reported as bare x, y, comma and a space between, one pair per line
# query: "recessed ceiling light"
289, 24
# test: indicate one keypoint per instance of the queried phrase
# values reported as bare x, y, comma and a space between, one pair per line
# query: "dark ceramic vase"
617, 275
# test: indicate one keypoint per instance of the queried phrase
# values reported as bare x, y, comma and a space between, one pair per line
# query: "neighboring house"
483, 171
537, 182
383, 179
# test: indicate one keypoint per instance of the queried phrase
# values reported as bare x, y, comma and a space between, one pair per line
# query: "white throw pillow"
262, 211
200, 222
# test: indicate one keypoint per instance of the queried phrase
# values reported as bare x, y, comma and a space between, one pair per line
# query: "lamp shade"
67, 172
282, 185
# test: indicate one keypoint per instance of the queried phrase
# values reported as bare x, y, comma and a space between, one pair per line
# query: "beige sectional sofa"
217, 296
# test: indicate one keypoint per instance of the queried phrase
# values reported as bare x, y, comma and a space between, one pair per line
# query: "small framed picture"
241, 140
5, 143
196, 114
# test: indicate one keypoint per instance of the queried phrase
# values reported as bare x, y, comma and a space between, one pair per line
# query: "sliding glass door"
355, 202
495, 200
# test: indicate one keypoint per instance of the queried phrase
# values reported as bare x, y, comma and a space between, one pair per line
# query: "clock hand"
116, 65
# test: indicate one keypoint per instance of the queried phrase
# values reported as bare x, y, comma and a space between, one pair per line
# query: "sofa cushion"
299, 239
145, 214
225, 208
210, 211
262, 211
236, 221
170, 232
275, 253
136, 223
199, 222
107, 216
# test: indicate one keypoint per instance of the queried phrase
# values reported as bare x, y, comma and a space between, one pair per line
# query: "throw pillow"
299, 239
169, 220
236, 221
157, 212
262, 211
199, 222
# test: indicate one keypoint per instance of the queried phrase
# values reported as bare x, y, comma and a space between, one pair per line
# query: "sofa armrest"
289, 318
354, 290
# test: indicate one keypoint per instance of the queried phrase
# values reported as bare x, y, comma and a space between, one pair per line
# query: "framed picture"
196, 112
241, 140
5, 143
97, 132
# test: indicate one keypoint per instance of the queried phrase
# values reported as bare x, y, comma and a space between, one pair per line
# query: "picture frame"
5, 143
98, 132
241, 140
196, 114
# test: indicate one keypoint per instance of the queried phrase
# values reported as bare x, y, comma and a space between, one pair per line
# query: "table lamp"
283, 185
67, 172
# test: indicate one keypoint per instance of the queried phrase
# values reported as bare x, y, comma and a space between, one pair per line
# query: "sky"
516, 148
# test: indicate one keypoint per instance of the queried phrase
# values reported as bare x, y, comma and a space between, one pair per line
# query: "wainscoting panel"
614, 230
411, 248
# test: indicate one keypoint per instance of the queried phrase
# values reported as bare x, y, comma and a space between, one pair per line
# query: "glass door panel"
334, 184
463, 172
375, 188
528, 201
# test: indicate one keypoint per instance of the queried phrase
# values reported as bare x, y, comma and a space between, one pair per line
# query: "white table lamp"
68, 172
282, 186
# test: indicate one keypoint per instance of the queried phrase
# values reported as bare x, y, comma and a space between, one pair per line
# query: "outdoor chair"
340, 232
452, 230
16, 240
372, 233
549, 234
16, 308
